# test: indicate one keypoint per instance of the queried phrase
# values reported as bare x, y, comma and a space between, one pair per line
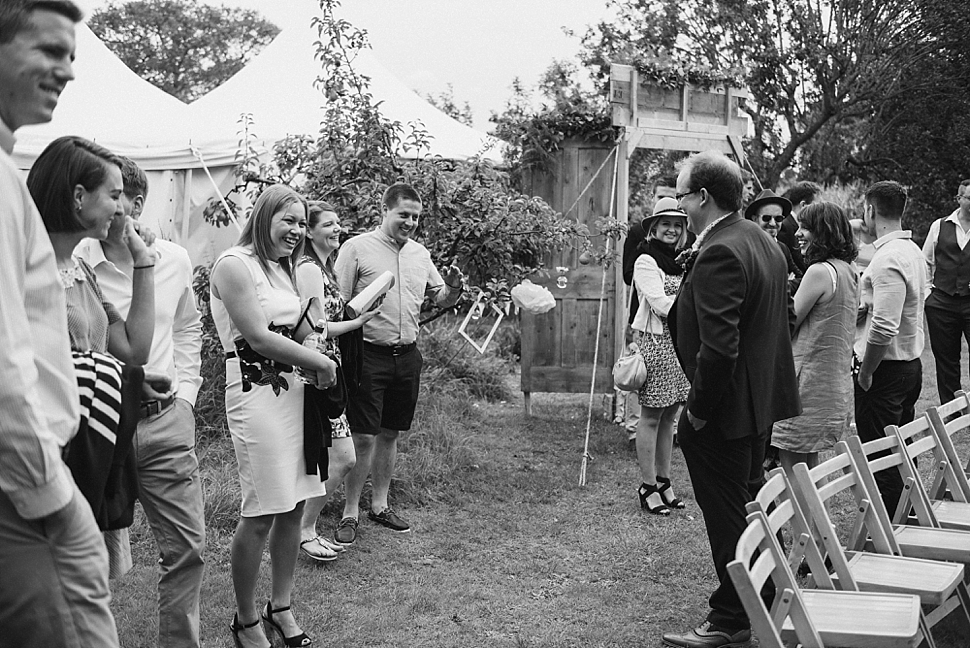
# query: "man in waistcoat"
948, 305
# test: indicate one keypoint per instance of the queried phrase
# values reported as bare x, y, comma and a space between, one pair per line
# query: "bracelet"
143, 267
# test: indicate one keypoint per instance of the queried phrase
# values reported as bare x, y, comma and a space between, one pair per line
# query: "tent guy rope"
232, 217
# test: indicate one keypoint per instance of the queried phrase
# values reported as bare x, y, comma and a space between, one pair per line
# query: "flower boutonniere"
686, 258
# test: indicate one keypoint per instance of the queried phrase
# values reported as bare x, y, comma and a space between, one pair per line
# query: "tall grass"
449, 359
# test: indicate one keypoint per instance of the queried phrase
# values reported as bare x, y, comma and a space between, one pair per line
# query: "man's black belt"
392, 349
155, 407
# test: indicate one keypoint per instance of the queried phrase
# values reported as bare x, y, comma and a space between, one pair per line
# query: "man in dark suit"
731, 325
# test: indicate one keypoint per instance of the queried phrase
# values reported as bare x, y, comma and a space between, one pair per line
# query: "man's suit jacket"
732, 324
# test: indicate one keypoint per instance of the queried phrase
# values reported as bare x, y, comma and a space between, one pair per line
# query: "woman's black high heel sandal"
672, 502
298, 641
235, 628
645, 491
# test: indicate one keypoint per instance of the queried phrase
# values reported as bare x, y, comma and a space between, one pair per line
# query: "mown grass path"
506, 552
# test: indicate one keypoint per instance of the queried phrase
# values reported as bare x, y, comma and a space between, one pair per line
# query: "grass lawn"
507, 550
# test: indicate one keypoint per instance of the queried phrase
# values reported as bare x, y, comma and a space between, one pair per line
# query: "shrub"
449, 359
847, 196
210, 405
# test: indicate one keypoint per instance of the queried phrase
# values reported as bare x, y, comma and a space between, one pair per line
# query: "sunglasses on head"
767, 218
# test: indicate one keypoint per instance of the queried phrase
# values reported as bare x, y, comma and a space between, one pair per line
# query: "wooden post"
527, 326
623, 215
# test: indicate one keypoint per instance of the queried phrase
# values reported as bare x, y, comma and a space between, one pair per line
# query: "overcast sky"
478, 46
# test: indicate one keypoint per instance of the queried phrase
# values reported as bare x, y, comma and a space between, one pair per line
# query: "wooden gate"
558, 346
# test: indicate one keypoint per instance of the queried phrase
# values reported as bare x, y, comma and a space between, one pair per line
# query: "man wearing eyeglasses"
731, 325
948, 305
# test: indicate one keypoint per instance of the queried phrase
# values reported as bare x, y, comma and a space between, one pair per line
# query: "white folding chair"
814, 618
946, 421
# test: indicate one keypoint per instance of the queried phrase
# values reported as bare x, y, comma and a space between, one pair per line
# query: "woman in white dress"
258, 313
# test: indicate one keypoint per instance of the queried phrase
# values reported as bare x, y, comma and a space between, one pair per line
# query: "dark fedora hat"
767, 197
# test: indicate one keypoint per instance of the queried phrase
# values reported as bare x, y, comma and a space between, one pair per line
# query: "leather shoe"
708, 635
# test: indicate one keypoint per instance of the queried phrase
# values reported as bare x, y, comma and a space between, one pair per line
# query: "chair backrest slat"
778, 496
759, 558
950, 477
870, 522
914, 496
960, 403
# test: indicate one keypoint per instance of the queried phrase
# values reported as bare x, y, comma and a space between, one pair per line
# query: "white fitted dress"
264, 400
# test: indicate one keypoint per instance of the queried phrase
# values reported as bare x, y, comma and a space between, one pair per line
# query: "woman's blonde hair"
256, 231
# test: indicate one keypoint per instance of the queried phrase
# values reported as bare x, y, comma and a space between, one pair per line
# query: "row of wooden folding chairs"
871, 590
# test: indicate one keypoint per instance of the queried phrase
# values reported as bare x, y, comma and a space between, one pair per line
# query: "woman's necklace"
71, 275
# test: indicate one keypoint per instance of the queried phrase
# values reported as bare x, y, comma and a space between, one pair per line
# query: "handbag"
630, 371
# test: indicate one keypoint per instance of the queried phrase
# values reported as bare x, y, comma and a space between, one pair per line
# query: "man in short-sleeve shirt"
390, 377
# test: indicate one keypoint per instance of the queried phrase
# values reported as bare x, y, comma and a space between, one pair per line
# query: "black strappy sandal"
645, 491
673, 502
298, 641
235, 628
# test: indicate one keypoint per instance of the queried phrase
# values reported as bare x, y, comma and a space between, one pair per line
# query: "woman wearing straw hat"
657, 277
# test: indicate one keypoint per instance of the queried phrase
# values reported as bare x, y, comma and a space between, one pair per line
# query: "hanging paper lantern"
535, 299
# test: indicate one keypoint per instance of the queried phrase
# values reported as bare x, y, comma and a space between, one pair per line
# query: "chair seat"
933, 581
933, 544
861, 619
952, 515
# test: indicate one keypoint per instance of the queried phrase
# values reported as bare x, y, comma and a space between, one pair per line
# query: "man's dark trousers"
725, 474
891, 400
948, 323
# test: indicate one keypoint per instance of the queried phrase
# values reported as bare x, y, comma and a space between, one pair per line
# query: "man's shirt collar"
892, 236
7, 140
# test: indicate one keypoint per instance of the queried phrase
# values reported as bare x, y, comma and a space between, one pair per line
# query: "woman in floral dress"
323, 239
657, 277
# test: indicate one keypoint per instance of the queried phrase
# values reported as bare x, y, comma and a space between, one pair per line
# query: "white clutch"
369, 295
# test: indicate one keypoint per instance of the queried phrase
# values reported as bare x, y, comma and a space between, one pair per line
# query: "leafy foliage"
921, 137
472, 215
182, 46
566, 109
807, 63
446, 103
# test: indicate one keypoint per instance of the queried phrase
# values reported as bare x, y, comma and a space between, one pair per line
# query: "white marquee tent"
277, 89
180, 145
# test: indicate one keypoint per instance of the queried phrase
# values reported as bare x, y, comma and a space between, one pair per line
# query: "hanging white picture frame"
480, 309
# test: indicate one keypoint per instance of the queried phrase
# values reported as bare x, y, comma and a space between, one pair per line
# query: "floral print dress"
333, 306
264, 399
